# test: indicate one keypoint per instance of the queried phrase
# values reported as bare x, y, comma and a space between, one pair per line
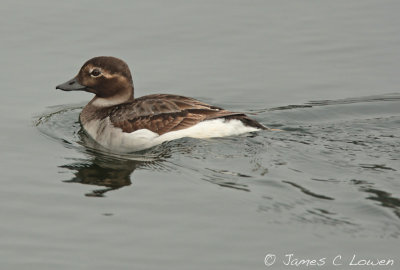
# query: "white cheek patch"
115, 139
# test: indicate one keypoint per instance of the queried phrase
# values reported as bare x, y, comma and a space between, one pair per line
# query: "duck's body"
117, 121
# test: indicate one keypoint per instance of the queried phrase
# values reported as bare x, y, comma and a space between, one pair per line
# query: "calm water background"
325, 72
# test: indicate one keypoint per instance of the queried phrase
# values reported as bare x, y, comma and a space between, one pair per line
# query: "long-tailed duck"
120, 122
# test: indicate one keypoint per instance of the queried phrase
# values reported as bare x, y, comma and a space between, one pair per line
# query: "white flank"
115, 139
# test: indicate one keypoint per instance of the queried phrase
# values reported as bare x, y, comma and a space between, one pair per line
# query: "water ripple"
322, 148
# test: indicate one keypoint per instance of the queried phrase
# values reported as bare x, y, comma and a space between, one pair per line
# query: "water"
325, 74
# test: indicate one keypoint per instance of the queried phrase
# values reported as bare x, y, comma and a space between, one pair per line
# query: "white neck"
110, 101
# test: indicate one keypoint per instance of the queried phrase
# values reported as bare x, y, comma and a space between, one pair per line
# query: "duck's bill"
71, 85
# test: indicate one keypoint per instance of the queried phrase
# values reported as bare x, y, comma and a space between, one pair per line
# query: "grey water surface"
325, 187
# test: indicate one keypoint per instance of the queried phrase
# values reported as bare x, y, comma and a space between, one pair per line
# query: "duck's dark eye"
95, 73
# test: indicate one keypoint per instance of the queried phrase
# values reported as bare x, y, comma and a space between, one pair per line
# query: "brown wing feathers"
164, 113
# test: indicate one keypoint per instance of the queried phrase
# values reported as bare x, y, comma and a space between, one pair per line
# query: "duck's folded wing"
165, 113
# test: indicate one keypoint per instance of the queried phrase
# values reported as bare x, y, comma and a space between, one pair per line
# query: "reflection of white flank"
108, 136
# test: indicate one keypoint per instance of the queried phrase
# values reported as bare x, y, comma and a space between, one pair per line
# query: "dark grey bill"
71, 85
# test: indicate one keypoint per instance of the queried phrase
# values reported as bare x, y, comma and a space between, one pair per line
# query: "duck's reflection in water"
112, 175
110, 171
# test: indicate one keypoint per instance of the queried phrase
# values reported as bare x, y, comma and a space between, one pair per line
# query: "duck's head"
107, 77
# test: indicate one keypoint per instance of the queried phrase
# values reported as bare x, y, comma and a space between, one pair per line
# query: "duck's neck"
120, 97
